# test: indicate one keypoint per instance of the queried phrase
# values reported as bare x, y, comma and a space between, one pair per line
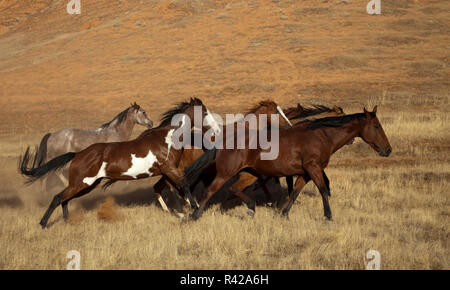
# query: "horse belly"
278, 168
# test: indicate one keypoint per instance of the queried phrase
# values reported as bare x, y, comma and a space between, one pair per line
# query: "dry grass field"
59, 70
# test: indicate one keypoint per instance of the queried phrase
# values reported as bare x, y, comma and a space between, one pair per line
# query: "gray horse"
74, 140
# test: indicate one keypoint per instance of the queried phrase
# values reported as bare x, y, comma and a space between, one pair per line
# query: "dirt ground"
78, 71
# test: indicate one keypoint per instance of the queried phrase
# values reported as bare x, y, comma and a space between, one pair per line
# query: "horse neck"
340, 136
123, 129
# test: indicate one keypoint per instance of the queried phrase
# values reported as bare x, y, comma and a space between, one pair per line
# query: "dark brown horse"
304, 151
295, 115
148, 155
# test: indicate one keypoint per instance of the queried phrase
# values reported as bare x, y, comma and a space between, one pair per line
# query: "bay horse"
295, 115
245, 179
267, 107
304, 151
74, 140
150, 154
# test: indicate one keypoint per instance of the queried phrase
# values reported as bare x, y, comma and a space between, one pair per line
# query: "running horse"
150, 154
245, 179
74, 140
267, 107
304, 151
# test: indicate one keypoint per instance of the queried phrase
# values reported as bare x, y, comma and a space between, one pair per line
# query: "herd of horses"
307, 139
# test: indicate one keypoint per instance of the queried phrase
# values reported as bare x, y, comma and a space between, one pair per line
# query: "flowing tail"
41, 154
37, 170
192, 173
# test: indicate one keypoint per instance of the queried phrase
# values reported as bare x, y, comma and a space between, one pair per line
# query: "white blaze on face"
211, 122
101, 173
283, 115
141, 165
169, 140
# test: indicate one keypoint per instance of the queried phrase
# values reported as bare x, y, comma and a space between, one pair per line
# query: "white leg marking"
169, 141
141, 165
163, 204
101, 173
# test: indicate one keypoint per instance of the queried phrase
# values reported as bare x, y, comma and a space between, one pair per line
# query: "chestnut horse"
150, 154
304, 151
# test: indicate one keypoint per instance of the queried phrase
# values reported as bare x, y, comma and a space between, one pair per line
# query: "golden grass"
398, 206
292, 51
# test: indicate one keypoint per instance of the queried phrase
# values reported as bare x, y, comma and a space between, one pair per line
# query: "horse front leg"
218, 182
175, 177
158, 188
245, 180
317, 174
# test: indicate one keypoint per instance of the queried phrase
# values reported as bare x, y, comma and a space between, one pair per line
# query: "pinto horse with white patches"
148, 155
74, 140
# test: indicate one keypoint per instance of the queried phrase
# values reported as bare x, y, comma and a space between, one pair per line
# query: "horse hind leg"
299, 184
82, 190
63, 199
53, 205
251, 204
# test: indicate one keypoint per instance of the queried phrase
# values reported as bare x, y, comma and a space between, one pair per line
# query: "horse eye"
377, 127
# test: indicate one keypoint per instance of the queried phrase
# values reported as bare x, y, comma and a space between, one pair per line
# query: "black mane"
180, 108
314, 110
334, 121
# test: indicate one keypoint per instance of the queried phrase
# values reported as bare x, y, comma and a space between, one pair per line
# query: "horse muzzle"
385, 152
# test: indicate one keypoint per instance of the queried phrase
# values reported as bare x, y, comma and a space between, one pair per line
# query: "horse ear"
299, 107
366, 112
375, 109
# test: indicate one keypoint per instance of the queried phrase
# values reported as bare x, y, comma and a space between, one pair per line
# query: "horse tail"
41, 154
36, 170
192, 173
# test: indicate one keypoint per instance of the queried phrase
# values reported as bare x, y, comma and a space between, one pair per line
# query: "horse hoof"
251, 213
285, 214
195, 216
269, 204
